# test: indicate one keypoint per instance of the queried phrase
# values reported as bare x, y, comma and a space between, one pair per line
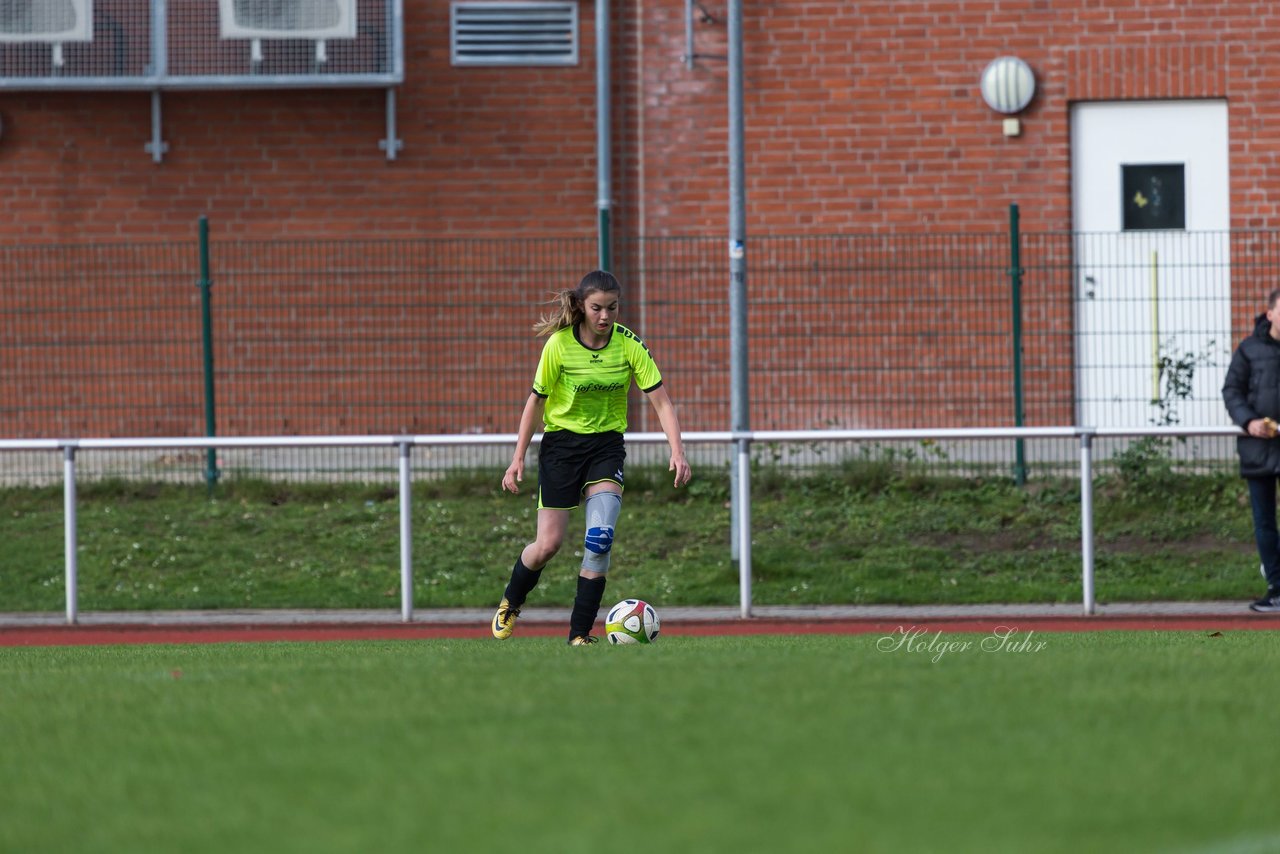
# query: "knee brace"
602, 511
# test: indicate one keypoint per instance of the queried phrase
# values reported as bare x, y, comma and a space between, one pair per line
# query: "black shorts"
570, 462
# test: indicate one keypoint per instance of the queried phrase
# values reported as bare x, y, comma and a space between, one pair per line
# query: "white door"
1151, 212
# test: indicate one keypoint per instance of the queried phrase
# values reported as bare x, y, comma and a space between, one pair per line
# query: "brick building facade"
861, 117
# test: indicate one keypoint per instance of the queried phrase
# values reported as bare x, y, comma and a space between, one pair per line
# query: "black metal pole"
1015, 281
206, 332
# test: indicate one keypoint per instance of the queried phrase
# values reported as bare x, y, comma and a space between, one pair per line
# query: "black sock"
586, 605
523, 579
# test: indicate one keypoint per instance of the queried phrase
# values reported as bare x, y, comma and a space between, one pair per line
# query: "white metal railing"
740, 440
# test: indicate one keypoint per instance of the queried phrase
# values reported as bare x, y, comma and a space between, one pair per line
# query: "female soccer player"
580, 398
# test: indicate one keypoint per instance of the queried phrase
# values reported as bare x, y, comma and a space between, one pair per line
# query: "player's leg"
603, 505
527, 570
562, 471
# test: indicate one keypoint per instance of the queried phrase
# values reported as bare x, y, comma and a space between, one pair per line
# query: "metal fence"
69, 451
434, 337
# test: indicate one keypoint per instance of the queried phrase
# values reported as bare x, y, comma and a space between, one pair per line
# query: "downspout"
604, 119
637, 284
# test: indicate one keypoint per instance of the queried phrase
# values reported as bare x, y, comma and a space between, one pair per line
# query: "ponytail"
570, 301
567, 315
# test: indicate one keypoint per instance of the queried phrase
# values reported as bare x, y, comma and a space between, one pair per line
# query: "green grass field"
1100, 742
848, 536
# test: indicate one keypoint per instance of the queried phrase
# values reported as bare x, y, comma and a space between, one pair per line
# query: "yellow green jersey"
586, 390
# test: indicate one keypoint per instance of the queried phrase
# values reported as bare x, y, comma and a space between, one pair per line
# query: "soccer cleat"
504, 622
1269, 604
583, 640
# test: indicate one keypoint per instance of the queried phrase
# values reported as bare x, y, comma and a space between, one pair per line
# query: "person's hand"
1261, 428
515, 474
681, 467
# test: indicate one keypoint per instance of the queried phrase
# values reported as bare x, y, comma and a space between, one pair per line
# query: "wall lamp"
1008, 85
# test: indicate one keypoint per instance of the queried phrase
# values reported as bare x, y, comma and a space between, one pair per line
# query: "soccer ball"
632, 621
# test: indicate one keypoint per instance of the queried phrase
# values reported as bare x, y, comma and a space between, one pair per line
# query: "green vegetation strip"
851, 535
1104, 742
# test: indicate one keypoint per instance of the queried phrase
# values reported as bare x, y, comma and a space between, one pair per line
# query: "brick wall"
867, 116
859, 116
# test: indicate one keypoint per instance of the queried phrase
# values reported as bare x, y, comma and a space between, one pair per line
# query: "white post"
1086, 519
744, 526
69, 526
406, 536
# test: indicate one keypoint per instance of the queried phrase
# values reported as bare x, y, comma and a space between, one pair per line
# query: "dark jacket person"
1251, 392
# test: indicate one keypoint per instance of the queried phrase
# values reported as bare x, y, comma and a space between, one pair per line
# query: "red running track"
169, 634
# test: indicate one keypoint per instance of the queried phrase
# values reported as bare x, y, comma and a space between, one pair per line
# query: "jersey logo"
597, 386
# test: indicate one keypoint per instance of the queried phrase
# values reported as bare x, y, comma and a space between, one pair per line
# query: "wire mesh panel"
127, 44
675, 297
1153, 326
1048, 329
269, 40
430, 336
63, 40
858, 331
99, 341
868, 331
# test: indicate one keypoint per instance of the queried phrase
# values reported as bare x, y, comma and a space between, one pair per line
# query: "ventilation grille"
286, 19
53, 21
514, 33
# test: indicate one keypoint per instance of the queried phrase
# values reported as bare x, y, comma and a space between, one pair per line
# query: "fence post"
1015, 282
206, 334
406, 533
739, 331
743, 516
69, 529
1086, 520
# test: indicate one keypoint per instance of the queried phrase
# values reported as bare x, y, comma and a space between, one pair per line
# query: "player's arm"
671, 427
530, 418
1235, 393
